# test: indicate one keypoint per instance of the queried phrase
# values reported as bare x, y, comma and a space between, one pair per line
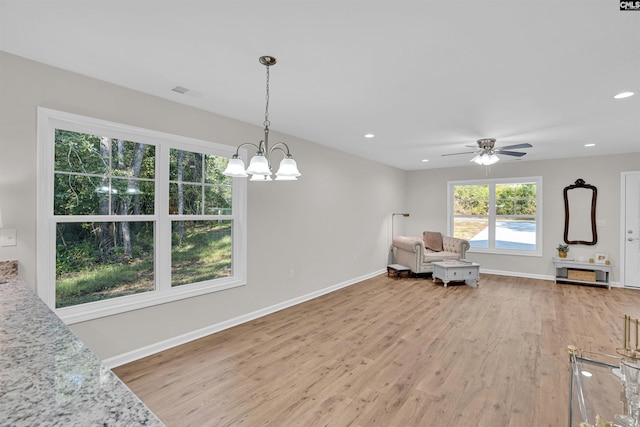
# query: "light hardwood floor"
388, 352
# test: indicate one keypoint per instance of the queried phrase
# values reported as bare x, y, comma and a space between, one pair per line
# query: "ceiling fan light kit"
487, 153
485, 159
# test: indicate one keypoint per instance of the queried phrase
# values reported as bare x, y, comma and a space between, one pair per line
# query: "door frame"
623, 231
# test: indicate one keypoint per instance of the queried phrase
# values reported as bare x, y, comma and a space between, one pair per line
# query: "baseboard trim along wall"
149, 350
533, 276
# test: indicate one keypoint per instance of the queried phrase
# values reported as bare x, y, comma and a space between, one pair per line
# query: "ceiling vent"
180, 89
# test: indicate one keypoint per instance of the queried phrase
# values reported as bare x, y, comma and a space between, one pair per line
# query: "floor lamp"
392, 254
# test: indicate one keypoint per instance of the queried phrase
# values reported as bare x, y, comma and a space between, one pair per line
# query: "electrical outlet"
291, 273
8, 237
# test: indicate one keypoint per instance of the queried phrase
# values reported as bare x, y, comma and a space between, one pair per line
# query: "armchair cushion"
431, 256
432, 240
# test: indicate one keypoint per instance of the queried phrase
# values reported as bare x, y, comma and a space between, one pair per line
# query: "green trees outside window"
200, 249
470, 210
105, 194
496, 215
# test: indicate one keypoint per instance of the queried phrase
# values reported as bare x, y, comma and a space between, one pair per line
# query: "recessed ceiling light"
425, 160
623, 95
590, 145
369, 135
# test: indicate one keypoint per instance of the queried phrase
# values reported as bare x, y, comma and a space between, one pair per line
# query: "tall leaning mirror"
580, 214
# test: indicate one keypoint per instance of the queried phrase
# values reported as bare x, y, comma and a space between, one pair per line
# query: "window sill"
505, 252
98, 309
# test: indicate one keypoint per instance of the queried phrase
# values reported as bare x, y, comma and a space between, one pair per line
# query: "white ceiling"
426, 77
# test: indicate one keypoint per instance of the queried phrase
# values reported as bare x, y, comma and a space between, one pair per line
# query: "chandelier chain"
266, 110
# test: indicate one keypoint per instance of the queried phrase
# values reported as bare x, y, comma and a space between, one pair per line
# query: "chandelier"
260, 165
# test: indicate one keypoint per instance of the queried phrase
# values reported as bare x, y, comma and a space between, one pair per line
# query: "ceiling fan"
486, 155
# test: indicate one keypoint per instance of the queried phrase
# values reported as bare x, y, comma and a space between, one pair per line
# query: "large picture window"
129, 217
499, 216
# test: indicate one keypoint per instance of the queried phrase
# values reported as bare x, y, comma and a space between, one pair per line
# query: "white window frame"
491, 249
48, 121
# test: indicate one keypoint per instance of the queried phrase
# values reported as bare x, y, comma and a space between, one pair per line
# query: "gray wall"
426, 196
330, 227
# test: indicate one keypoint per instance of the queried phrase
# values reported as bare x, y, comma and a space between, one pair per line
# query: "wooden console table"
602, 272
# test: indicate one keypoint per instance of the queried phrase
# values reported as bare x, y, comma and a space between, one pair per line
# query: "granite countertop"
48, 377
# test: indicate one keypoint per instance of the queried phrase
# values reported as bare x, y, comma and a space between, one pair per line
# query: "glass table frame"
596, 391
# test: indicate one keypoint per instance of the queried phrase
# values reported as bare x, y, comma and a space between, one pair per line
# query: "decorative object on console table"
601, 258
562, 250
583, 275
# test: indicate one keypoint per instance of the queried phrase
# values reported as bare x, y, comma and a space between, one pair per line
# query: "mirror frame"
581, 184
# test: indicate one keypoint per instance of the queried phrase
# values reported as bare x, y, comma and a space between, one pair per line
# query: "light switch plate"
8, 237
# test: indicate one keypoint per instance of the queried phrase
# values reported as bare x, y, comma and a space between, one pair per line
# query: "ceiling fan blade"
455, 154
524, 145
511, 153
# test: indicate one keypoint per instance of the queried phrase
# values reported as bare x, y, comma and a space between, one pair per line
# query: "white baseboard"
533, 276
517, 274
149, 350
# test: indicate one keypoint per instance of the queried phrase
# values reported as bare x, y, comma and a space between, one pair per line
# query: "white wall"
426, 196
330, 227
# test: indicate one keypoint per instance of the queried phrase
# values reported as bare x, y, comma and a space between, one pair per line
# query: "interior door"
631, 224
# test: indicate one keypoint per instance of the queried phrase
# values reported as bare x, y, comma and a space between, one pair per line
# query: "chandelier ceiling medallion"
260, 165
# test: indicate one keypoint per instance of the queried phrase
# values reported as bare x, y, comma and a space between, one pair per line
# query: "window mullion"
492, 216
203, 165
163, 225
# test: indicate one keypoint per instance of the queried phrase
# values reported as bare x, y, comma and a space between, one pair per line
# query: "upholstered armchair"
419, 253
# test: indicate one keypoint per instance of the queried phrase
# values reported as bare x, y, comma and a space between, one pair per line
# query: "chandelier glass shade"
235, 168
260, 164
